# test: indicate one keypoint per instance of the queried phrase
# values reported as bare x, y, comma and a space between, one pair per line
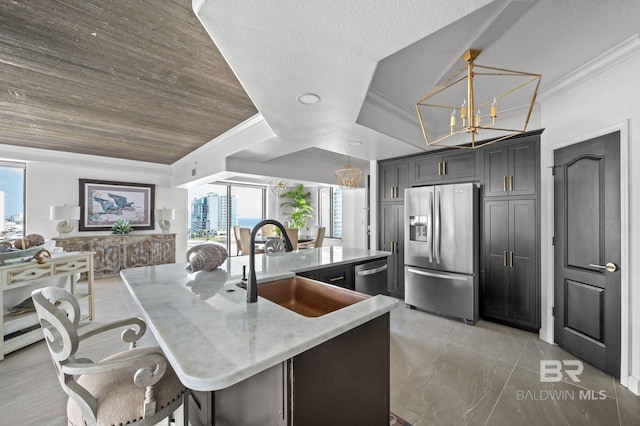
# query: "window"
12, 177
216, 208
330, 211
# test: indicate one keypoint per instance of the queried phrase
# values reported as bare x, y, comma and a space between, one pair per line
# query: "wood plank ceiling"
134, 79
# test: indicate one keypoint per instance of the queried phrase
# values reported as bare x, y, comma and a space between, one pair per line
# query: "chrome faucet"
252, 286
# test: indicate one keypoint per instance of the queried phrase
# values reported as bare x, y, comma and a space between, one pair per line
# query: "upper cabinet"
451, 166
510, 169
394, 178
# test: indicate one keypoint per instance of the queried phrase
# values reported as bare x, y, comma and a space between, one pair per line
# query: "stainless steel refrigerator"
441, 249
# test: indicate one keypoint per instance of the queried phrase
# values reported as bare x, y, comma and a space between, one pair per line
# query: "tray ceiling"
127, 79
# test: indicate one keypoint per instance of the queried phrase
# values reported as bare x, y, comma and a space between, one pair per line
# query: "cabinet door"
459, 165
522, 168
108, 260
427, 169
387, 182
394, 178
402, 180
496, 171
392, 239
495, 297
522, 261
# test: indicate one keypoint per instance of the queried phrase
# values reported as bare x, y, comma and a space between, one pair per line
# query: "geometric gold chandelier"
482, 89
349, 177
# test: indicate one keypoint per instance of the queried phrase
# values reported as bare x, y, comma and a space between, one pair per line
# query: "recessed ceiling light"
354, 143
308, 98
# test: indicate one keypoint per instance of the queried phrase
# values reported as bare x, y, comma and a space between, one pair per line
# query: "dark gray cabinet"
342, 276
445, 167
394, 178
509, 288
392, 239
509, 175
510, 169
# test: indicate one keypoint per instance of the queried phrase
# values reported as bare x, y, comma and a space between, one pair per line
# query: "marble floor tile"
592, 378
628, 406
454, 386
527, 401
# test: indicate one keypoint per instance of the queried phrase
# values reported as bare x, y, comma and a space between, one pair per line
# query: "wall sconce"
67, 215
165, 216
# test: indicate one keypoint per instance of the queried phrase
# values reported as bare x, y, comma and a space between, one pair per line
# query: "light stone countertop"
214, 339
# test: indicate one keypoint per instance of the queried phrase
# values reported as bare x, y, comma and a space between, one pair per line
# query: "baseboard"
633, 384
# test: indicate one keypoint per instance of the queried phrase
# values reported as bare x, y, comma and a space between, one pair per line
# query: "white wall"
354, 228
607, 101
53, 179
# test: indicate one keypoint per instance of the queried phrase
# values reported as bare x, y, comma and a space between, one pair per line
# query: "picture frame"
102, 203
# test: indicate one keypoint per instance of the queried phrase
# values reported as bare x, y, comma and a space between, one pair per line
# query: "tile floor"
443, 372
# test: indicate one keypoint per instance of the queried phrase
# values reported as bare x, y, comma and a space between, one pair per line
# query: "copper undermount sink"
308, 297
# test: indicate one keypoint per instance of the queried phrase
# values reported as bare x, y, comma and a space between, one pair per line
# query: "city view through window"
11, 201
216, 209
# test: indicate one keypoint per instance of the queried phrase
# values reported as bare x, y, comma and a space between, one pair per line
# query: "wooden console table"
117, 252
22, 330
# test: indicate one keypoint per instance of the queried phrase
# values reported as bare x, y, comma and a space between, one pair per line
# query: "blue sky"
12, 182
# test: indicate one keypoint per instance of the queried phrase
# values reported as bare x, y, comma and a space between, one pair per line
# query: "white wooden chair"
135, 386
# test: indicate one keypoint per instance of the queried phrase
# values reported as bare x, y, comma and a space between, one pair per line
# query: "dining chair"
268, 230
293, 236
236, 234
317, 241
134, 386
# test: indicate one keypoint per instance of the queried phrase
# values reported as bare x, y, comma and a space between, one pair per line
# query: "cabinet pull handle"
340, 278
511, 259
391, 196
504, 183
439, 168
510, 183
444, 167
504, 258
395, 192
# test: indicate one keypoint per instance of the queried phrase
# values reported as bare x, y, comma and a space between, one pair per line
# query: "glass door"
216, 208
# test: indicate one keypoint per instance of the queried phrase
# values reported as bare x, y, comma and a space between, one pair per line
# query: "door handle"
504, 258
510, 183
504, 183
611, 267
510, 259
444, 167
439, 168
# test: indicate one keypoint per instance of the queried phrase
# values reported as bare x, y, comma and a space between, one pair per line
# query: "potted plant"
300, 208
122, 226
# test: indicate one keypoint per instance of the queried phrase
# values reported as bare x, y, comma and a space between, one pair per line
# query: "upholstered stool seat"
119, 399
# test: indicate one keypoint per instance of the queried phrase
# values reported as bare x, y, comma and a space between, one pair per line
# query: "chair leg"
185, 407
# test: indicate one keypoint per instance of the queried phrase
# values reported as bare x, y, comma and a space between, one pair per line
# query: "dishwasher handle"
371, 271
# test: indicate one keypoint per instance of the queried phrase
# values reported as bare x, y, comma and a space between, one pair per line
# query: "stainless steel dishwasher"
371, 277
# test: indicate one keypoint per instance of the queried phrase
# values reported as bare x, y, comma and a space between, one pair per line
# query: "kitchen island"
219, 344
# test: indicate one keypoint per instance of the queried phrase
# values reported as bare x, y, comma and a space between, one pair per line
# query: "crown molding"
382, 101
619, 53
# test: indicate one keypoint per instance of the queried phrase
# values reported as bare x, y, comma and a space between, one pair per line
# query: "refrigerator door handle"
436, 241
434, 275
430, 228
